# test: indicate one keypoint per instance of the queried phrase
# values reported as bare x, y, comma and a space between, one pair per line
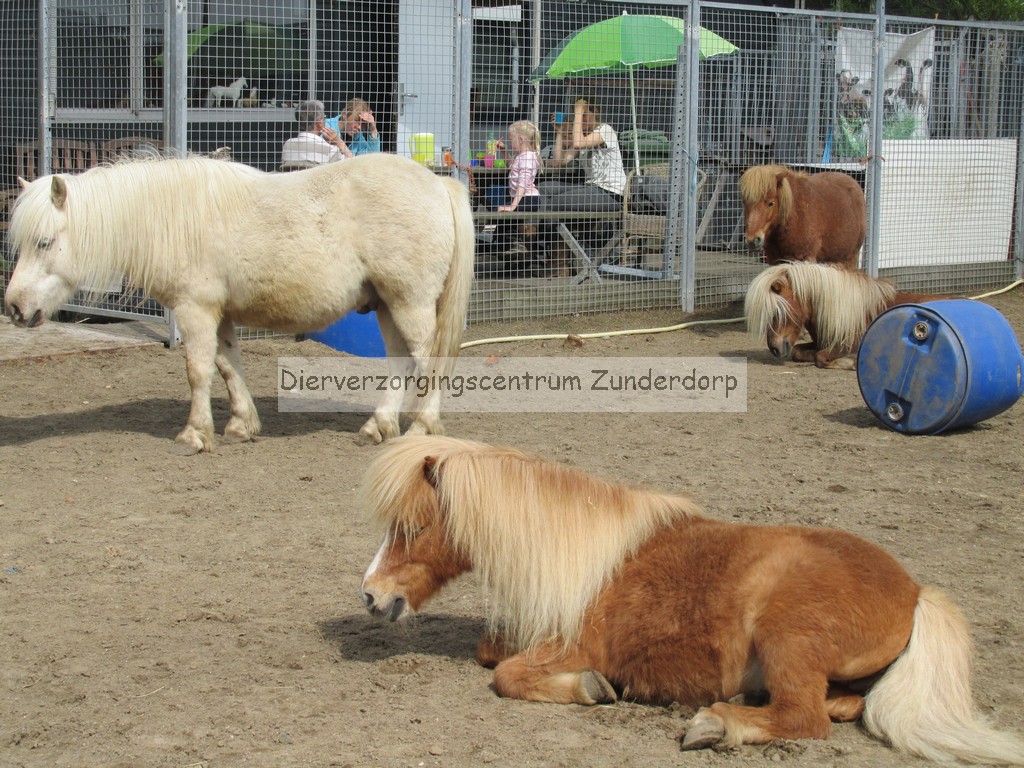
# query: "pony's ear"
58, 192
429, 471
22, 183
780, 178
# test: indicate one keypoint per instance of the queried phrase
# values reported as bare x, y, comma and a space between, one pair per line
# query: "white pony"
223, 243
233, 93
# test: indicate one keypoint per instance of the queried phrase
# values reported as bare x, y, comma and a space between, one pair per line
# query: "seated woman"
351, 122
596, 145
316, 142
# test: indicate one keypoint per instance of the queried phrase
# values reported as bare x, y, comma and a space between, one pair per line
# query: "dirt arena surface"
165, 610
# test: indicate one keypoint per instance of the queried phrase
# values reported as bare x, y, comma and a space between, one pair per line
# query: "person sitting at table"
316, 142
523, 195
357, 114
596, 145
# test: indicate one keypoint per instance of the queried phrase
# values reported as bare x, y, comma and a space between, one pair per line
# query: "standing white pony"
222, 243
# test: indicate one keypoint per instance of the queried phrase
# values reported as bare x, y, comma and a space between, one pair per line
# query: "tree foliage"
943, 10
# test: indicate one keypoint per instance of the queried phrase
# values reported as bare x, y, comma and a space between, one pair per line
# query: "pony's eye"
771, 203
45, 244
414, 532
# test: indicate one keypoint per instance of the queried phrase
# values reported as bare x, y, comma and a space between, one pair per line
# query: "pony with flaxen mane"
222, 244
598, 590
834, 305
795, 216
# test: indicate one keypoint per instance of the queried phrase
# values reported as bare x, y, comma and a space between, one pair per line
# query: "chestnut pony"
795, 216
598, 590
834, 305
222, 243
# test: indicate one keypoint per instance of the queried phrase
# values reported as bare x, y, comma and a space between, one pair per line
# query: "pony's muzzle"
780, 348
391, 609
18, 317
755, 243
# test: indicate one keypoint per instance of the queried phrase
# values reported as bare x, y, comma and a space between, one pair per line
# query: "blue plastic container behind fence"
354, 333
927, 368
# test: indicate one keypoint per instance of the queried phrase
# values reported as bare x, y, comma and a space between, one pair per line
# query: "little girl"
524, 140
524, 136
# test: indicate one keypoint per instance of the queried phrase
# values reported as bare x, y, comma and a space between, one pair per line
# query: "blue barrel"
930, 367
355, 333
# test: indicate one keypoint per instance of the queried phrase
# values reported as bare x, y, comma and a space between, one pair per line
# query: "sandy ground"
164, 610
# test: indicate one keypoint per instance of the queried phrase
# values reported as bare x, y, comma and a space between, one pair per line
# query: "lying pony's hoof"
705, 730
596, 689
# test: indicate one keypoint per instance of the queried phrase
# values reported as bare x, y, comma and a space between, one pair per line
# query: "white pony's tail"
923, 703
454, 299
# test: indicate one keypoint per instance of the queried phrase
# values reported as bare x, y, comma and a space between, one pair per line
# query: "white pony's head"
45, 276
141, 220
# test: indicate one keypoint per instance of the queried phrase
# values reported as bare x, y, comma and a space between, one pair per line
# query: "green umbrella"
621, 44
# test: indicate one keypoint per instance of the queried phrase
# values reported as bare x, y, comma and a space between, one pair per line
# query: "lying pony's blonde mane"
845, 302
762, 307
544, 538
760, 181
120, 216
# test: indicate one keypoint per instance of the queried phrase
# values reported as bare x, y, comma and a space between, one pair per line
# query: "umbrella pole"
636, 138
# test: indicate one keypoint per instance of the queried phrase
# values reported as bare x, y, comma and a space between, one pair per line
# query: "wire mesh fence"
602, 142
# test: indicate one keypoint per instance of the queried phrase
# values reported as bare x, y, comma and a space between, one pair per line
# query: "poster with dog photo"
906, 88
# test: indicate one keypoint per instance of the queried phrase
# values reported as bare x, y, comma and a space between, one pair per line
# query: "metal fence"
929, 121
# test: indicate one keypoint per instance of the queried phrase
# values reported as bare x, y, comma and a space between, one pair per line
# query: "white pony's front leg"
383, 424
244, 423
427, 416
199, 336
408, 332
413, 329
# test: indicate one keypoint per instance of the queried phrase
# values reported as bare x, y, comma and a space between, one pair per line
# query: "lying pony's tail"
923, 703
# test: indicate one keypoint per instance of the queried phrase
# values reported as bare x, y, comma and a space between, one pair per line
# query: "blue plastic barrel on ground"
935, 366
357, 334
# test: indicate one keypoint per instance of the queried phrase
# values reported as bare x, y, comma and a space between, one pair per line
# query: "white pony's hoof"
705, 730
369, 435
237, 433
191, 441
417, 428
185, 449
422, 427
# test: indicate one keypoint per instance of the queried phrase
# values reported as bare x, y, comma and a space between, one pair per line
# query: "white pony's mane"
141, 218
844, 302
544, 538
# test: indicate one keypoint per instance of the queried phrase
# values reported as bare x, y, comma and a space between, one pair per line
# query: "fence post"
462, 138
46, 105
1018, 227
683, 166
176, 76
175, 103
874, 174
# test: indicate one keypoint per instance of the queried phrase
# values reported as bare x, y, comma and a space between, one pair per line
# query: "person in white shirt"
315, 142
596, 145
